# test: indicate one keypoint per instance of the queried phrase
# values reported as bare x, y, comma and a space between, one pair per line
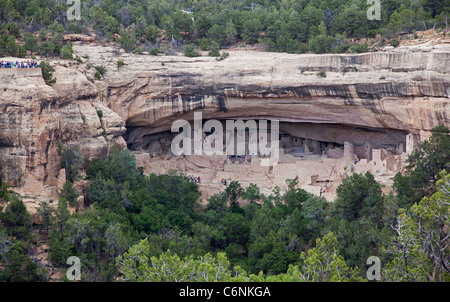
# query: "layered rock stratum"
403, 89
34, 117
376, 98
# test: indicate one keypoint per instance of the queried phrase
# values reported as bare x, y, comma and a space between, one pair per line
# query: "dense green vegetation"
424, 168
133, 223
151, 228
293, 26
16, 241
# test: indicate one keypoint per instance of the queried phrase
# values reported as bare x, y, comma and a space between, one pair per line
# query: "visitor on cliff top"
17, 64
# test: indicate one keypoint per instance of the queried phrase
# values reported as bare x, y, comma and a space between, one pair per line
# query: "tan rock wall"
404, 89
389, 94
34, 117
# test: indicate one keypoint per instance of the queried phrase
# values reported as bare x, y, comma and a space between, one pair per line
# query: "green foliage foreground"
151, 228
322, 263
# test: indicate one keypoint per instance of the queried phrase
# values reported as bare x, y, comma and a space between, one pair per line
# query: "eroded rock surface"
403, 89
374, 99
34, 117
371, 100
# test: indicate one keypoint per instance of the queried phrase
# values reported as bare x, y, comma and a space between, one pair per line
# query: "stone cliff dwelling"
307, 153
377, 113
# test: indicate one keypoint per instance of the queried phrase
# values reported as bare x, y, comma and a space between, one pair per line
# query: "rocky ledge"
34, 117
405, 89
339, 97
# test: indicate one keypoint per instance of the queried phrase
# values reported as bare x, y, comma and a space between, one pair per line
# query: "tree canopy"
286, 26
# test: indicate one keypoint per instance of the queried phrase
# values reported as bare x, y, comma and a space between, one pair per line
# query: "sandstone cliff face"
406, 89
373, 97
35, 116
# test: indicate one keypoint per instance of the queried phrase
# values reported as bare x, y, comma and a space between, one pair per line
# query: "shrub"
71, 160
341, 48
4, 192
360, 47
66, 53
69, 193
322, 74
204, 44
214, 49
120, 63
47, 72
154, 51
101, 70
21, 51
138, 50
223, 56
190, 50
321, 44
395, 42
20, 267
16, 218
